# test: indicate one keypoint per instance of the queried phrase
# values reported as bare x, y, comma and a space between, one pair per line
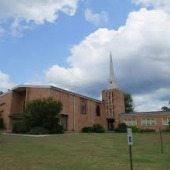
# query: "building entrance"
64, 119
110, 124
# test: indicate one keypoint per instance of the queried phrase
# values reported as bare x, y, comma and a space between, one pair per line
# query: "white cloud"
159, 4
155, 99
96, 18
36, 11
140, 51
5, 83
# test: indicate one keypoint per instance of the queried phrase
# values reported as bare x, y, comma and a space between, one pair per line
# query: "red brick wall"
139, 117
6, 99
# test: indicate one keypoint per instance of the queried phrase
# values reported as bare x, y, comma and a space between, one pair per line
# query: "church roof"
145, 113
23, 87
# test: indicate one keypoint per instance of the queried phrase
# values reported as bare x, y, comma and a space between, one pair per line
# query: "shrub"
44, 113
57, 129
122, 127
20, 127
168, 128
88, 129
135, 129
147, 130
1, 123
38, 131
98, 128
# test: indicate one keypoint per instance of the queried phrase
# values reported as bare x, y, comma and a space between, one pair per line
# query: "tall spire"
112, 81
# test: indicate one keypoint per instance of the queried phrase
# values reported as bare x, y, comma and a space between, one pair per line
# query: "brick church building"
80, 111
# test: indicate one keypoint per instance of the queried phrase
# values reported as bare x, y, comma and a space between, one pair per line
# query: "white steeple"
112, 81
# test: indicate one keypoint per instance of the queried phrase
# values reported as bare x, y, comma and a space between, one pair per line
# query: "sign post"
160, 132
130, 142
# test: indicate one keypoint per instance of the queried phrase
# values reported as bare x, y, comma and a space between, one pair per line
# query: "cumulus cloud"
1, 31
140, 51
5, 83
164, 4
96, 18
155, 99
36, 11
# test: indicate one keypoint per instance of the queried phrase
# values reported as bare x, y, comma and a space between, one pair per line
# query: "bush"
135, 129
58, 129
38, 131
122, 127
44, 113
147, 130
88, 129
20, 127
168, 128
98, 128
1, 123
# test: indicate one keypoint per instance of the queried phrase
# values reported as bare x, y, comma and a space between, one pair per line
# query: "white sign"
129, 134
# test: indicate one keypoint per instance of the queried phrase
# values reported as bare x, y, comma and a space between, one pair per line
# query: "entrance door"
64, 122
110, 124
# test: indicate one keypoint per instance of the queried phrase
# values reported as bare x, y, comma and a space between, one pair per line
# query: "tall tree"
129, 104
43, 113
1, 92
165, 108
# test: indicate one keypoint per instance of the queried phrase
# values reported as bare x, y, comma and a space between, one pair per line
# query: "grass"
83, 152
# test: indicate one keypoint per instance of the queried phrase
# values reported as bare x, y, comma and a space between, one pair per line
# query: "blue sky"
49, 43
67, 44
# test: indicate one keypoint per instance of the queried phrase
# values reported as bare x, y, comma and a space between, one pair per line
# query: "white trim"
148, 121
165, 120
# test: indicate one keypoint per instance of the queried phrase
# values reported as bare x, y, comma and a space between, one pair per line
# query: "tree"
165, 108
1, 92
43, 113
129, 104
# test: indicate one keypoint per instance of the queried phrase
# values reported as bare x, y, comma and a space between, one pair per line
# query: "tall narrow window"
97, 110
83, 108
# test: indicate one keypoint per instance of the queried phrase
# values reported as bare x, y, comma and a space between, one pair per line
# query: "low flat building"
146, 120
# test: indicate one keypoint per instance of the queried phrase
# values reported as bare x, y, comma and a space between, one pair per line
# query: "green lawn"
83, 152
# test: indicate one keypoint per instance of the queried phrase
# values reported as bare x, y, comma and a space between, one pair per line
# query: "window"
148, 121
130, 122
153, 121
165, 121
83, 108
97, 110
143, 122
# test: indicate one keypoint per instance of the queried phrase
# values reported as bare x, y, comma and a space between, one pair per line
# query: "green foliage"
135, 129
1, 92
147, 130
167, 129
88, 129
43, 113
58, 129
165, 108
129, 104
38, 131
20, 127
122, 127
96, 128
